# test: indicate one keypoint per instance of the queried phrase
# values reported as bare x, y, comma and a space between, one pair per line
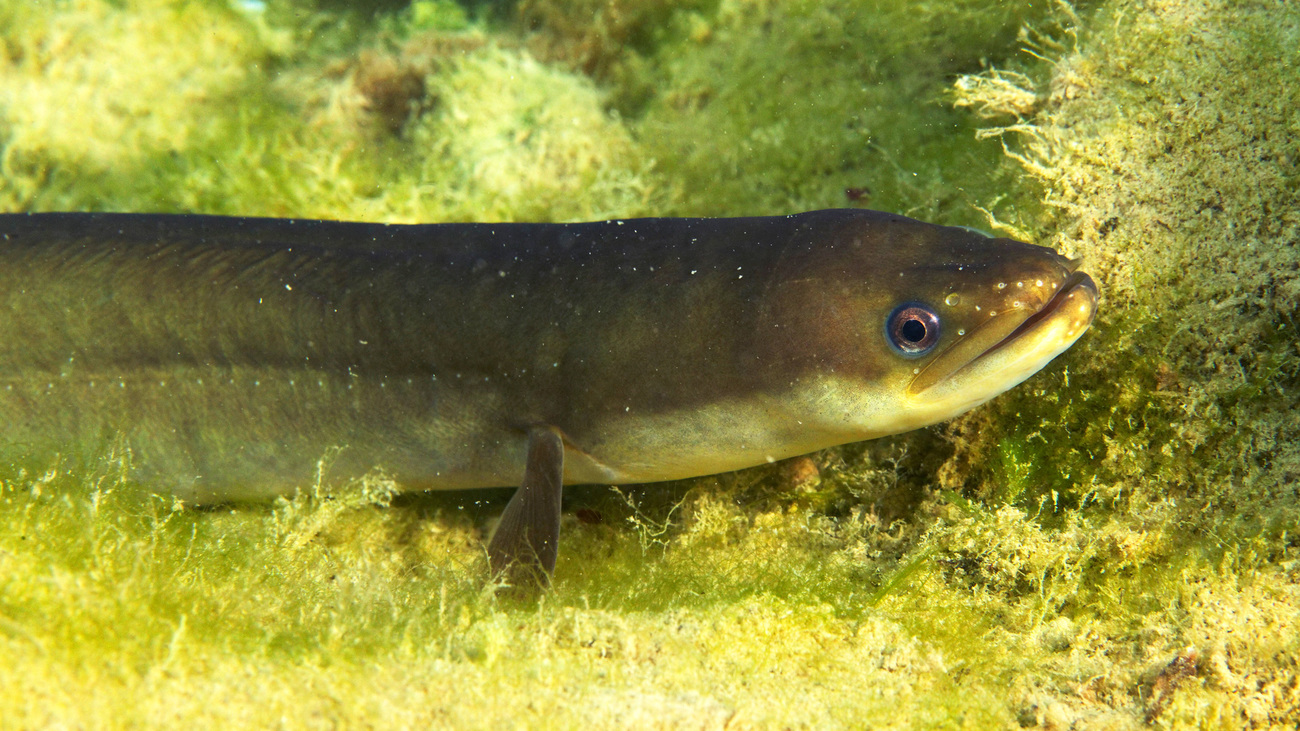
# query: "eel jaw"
1076, 306
1024, 351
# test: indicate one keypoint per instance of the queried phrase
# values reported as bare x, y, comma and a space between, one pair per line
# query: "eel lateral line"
231, 354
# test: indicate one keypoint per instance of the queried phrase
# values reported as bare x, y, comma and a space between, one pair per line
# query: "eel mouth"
1079, 291
1026, 348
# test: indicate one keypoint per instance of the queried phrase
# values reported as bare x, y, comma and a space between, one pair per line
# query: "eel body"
229, 355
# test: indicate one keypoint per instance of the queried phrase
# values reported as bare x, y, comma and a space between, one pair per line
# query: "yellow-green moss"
64, 110
1111, 545
1173, 174
514, 140
776, 107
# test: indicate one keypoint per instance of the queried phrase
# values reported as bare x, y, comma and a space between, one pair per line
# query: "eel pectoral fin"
528, 535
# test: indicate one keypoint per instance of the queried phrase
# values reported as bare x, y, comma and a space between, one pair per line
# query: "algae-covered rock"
514, 140
66, 110
775, 107
1164, 142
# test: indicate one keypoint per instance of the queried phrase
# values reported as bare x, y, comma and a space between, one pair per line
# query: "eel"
227, 356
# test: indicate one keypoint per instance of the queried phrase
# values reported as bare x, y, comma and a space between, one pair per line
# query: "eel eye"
912, 329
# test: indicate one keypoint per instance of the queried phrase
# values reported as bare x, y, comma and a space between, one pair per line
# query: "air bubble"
952, 300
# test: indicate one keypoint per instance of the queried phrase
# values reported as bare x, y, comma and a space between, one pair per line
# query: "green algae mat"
1113, 544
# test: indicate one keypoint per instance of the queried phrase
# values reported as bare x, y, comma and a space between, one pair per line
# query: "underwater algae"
1113, 545
1177, 174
